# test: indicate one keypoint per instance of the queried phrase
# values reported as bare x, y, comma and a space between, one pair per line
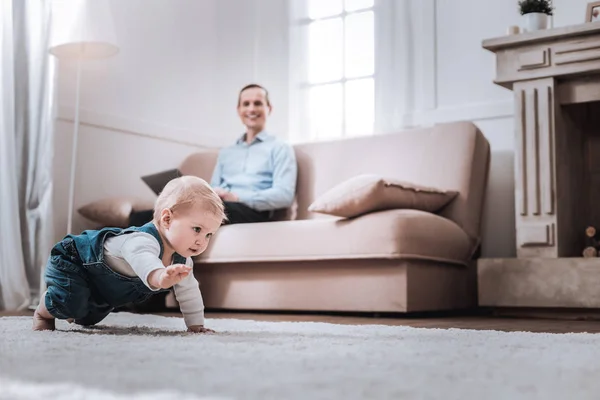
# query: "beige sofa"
398, 260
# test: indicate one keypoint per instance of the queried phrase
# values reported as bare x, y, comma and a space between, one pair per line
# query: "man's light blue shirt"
262, 174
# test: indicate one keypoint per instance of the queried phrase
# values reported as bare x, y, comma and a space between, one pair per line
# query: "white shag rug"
146, 357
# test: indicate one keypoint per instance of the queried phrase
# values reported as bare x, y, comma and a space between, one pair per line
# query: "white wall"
173, 87
463, 88
170, 91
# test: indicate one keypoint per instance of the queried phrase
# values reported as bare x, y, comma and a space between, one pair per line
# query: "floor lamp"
82, 30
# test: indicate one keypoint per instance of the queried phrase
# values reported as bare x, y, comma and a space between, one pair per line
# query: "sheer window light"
337, 90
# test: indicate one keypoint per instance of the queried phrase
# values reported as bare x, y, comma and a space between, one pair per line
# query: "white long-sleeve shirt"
136, 254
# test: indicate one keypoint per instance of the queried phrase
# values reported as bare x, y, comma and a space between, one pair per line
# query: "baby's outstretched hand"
169, 276
199, 329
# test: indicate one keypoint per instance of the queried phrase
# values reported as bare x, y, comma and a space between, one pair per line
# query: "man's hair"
185, 192
253, 86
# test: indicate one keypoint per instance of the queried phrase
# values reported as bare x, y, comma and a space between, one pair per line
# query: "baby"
90, 274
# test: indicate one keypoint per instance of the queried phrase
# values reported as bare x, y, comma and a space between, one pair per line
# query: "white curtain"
26, 150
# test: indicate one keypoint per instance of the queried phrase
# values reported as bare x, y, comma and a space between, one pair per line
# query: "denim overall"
82, 286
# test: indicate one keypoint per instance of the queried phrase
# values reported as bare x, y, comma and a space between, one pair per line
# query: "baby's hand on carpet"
169, 276
199, 329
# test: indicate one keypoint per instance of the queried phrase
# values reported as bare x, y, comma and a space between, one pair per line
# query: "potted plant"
535, 13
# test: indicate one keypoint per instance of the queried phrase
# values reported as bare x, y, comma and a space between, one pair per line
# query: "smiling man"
256, 175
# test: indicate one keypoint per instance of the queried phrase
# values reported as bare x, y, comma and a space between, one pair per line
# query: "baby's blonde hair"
187, 191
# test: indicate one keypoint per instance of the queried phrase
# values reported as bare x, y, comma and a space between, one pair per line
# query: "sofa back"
452, 156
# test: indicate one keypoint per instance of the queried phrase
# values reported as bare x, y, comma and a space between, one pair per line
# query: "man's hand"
220, 191
226, 195
199, 329
169, 276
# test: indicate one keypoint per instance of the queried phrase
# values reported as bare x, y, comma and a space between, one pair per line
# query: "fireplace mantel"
555, 79
566, 54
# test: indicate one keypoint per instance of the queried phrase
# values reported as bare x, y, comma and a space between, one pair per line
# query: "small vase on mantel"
535, 14
535, 21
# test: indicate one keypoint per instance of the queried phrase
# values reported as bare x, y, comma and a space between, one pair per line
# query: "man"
256, 175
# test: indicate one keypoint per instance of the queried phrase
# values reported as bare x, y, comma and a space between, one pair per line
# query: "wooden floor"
478, 322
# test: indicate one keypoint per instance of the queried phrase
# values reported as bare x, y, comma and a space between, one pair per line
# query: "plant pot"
535, 22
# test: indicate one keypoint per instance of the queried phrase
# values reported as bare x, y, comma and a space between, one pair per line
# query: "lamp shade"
82, 29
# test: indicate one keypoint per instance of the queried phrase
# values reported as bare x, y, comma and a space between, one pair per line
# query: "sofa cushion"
391, 234
114, 211
370, 192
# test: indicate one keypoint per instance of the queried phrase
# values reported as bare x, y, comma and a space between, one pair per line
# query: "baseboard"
568, 314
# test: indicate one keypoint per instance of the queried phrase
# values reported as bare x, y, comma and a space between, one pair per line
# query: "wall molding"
150, 130
465, 112
473, 112
131, 126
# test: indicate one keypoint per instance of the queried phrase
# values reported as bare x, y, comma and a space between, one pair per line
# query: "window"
334, 69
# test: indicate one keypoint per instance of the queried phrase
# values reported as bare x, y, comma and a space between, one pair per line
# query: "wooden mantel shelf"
527, 38
565, 53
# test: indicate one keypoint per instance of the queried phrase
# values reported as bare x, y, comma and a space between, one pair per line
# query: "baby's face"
190, 230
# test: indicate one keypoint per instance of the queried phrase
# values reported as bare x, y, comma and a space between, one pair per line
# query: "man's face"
253, 109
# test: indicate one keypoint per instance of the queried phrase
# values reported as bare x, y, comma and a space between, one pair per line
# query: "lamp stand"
74, 150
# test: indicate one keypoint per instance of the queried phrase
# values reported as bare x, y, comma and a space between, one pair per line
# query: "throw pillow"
366, 193
114, 211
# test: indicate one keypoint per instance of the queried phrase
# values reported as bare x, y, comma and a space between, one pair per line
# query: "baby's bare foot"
42, 324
